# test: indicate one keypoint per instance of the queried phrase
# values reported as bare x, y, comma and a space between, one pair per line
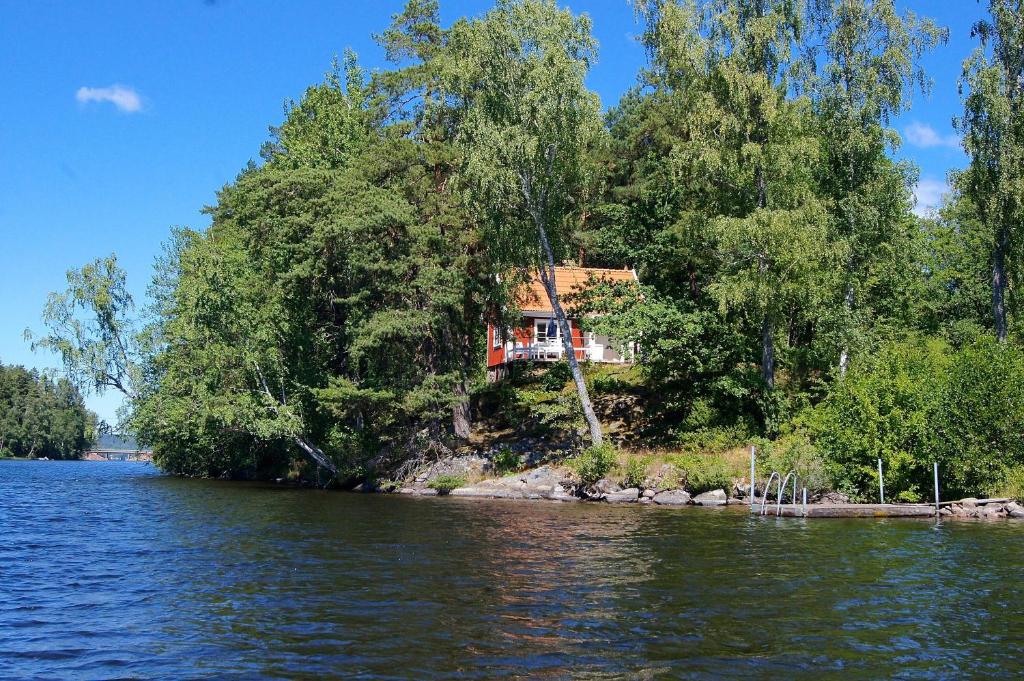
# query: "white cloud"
124, 98
925, 136
929, 194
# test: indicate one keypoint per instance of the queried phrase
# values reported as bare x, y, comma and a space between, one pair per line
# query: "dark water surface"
109, 570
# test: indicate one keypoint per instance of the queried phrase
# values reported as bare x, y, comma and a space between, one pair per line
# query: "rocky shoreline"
552, 483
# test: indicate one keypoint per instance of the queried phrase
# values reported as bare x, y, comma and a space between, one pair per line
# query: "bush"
703, 473
506, 461
444, 484
636, 472
594, 463
1011, 485
794, 452
918, 402
557, 375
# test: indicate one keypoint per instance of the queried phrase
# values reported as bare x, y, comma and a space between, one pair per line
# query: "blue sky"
124, 117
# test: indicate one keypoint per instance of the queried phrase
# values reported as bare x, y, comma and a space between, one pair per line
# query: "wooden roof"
568, 280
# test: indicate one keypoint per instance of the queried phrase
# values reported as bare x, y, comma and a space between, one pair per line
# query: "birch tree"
748, 152
529, 122
992, 126
871, 64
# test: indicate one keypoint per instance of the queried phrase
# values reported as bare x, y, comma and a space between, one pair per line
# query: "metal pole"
936, 464
805, 501
753, 489
881, 483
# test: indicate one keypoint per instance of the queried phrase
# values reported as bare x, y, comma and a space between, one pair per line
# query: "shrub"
557, 375
636, 472
506, 461
919, 401
446, 483
1011, 485
703, 473
594, 463
794, 452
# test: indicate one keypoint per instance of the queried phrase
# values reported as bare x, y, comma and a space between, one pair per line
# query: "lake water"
110, 570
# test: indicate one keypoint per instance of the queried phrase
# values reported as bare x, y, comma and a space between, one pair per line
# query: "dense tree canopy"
331, 321
41, 416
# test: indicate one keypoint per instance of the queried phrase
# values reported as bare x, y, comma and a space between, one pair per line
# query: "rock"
1015, 510
834, 498
649, 493
945, 510
991, 511
675, 497
645, 500
543, 476
741, 490
407, 490
625, 496
605, 485
969, 502
489, 492
714, 498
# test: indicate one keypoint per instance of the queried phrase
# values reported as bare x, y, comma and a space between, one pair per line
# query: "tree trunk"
844, 353
461, 420
768, 351
999, 284
547, 277
316, 454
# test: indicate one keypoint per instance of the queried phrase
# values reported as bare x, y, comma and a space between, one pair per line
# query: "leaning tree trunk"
547, 277
999, 284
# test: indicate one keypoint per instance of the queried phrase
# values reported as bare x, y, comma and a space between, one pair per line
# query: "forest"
332, 318
41, 416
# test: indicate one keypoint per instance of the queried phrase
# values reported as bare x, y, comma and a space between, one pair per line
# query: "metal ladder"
782, 484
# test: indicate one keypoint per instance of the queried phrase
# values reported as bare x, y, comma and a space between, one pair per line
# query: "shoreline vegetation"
330, 324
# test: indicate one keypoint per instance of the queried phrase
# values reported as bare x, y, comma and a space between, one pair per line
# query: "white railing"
551, 351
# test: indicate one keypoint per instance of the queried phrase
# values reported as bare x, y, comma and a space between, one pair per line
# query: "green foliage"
635, 472
556, 377
594, 463
794, 452
1011, 485
506, 461
42, 416
703, 473
444, 484
92, 328
919, 402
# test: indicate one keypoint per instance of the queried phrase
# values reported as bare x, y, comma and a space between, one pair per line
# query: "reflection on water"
110, 570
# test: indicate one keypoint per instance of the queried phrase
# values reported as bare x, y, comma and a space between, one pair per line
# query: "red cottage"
538, 338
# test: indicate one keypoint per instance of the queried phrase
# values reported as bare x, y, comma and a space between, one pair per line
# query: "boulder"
991, 511
606, 486
649, 493
675, 497
1015, 510
834, 498
714, 498
625, 496
543, 476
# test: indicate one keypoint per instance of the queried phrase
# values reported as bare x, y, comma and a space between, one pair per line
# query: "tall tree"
749, 149
529, 123
871, 62
92, 326
992, 126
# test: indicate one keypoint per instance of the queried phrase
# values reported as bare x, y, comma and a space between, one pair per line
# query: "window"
496, 338
546, 330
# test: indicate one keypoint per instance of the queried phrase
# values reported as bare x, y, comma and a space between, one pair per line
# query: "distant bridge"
118, 455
